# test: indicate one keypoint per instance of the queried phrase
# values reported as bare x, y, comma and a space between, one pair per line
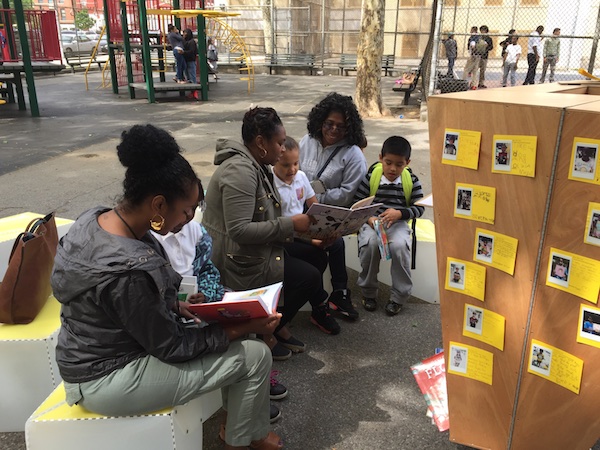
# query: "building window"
410, 45
530, 2
63, 14
493, 3
451, 3
412, 2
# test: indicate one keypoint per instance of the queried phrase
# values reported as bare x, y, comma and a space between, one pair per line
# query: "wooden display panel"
544, 406
482, 415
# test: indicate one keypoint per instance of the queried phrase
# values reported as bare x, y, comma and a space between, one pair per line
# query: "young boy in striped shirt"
397, 188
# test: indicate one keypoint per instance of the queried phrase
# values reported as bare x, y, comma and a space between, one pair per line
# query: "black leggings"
302, 280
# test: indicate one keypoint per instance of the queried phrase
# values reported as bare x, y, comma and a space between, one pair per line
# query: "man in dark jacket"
190, 53
483, 53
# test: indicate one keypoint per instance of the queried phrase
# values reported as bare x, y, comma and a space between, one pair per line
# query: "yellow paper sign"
592, 226
475, 202
466, 278
584, 160
555, 365
514, 155
574, 274
588, 330
461, 148
496, 250
484, 325
471, 362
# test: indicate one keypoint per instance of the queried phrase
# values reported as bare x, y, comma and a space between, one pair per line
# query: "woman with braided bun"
123, 348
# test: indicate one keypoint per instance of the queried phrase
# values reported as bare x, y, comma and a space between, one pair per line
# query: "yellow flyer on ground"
514, 155
588, 327
591, 234
466, 278
471, 362
461, 148
484, 325
555, 365
584, 160
475, 202
496, 250
574, 274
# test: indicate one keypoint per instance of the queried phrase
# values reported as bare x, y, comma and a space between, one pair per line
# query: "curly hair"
260, 122
154, 165
334, 102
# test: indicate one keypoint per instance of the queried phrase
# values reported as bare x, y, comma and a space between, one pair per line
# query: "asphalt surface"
351, 391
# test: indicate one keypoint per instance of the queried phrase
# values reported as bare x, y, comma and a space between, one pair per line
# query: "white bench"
56, 426
29, 372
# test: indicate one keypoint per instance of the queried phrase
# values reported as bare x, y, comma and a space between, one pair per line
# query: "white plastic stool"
57, 426
29, 372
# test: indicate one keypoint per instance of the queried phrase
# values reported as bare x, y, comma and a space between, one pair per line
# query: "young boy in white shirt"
511, 58
295, 192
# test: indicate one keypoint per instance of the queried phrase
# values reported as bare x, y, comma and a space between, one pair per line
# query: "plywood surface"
544, 405
480, 414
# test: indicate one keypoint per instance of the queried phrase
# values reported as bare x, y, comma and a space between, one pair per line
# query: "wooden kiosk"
522, 402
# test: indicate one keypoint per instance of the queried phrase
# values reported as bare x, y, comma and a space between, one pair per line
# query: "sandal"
270, 442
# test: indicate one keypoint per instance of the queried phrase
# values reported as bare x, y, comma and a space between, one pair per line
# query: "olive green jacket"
243, 216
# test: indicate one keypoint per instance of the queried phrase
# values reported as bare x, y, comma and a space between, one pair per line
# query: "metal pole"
322, 32
146, 51
273, 18
434, 47
126, 52
111, 51
202, 62
594, 44
33, 103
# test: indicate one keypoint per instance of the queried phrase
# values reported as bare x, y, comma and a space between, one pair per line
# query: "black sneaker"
370, 304
278, 390
320, 317
295, 345
275, 414
341, 301
392, 308
280, 353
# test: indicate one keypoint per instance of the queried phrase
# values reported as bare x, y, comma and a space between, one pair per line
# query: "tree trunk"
267, 25
369, 52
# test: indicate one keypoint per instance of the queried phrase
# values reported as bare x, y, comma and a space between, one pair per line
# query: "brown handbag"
26, 284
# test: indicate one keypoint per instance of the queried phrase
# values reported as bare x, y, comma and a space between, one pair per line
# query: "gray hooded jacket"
117, 296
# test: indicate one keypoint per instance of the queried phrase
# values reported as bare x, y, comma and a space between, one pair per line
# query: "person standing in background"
451, 53
484, 52
190, 53
212, 55
473, 61
534, 48
176, 42
511, 58
551, 52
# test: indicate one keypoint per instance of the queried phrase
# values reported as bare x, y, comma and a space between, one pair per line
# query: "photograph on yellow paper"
514, 155
466, 278
471, 362
584, 160
555, 365
461, 148
588, 330
592, 227
496, 250
475, 202
484, 325
575, 274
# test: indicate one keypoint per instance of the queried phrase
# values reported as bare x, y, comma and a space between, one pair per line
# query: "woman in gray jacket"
123, 348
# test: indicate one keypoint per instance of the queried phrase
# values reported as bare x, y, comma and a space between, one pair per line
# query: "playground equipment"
137, 31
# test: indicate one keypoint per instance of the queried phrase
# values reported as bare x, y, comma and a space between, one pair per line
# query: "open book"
331, 220
431, 378
241, 305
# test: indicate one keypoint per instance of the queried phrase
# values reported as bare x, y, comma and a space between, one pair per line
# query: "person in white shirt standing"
511, 58
534, 50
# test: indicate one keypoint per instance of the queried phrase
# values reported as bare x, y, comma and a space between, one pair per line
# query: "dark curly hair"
260, 122
154, 165
334, 102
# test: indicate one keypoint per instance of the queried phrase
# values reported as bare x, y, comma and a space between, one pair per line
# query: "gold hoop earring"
262, 156
155, 224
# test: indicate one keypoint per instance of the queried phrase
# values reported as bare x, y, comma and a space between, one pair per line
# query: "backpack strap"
375, 178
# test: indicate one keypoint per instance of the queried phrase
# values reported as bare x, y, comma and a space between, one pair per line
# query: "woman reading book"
122, 349
243, 216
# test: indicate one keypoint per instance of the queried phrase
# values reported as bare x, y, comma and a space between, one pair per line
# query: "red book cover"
431, 378
241, 305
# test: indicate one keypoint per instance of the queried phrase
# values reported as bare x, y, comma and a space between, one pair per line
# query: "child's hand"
196, 298
389, 217
371, 221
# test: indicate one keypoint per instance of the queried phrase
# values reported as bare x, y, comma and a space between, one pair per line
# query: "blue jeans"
509, 68
180, 65
190, 71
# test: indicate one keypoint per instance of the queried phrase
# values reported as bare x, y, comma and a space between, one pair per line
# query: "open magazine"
431, 378
240, 305
336, 220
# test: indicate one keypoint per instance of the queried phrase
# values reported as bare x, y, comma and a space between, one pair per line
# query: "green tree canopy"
83, 21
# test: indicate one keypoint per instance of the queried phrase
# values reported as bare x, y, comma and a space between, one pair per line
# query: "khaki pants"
471, 68
148, 384
482, 67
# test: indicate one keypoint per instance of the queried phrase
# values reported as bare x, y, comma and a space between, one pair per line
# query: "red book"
431, 378
240, 305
